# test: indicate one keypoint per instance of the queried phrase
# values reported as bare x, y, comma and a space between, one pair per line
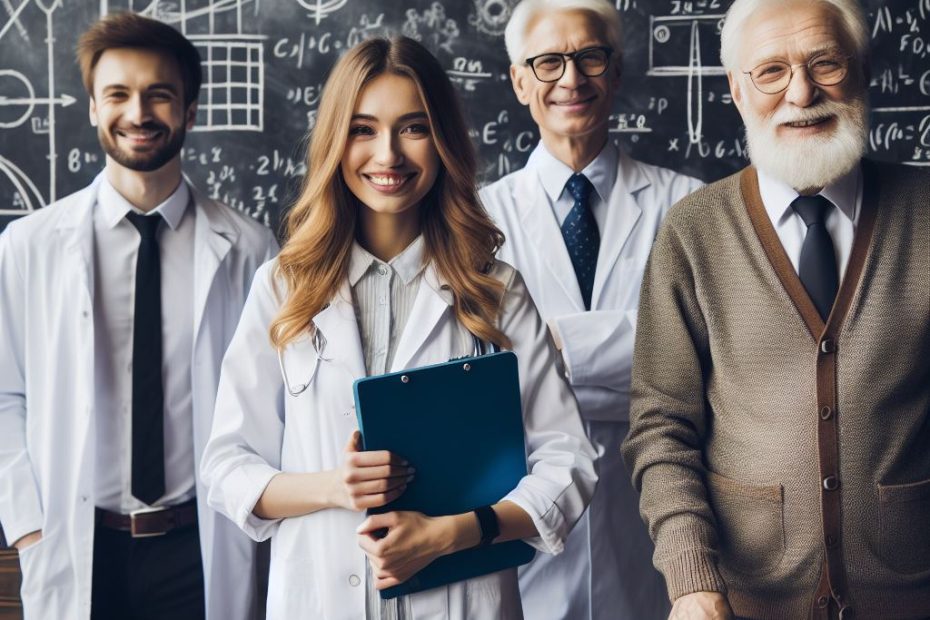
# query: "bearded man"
116, 306
780, 411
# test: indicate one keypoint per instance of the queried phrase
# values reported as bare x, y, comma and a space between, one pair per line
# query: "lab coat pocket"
904, 537
750, 523
40, 579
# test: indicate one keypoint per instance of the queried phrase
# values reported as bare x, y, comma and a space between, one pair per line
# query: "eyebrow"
810, 54
157, 86
409, 116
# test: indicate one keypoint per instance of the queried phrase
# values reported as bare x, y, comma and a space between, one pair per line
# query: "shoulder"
676, 184
251, 236
35, 232
501, 190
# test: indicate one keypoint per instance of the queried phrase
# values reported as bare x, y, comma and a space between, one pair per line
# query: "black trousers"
157, 578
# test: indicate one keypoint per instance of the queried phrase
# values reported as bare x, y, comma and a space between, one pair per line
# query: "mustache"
146, 126
822, 109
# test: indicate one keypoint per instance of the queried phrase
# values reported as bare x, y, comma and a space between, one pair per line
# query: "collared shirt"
383, 296
116, 247
846, 196
554, 174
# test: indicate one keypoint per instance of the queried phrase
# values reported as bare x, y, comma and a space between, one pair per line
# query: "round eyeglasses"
774, 76
590, 62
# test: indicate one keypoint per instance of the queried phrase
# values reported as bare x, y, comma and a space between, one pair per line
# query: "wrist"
465, 532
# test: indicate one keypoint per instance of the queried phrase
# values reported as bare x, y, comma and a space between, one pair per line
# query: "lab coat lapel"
543, 230
338, 327
214, 235
623, 212
429, 307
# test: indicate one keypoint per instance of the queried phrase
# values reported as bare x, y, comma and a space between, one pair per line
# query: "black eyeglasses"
590, 62
827, 69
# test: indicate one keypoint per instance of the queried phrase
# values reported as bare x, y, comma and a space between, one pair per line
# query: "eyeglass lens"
551, 67
825, 70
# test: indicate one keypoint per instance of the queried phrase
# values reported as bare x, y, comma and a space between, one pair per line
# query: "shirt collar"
408, 264
554, 174
115, 207
777, 196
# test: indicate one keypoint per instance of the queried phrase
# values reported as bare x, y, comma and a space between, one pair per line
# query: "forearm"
465, 532
296, 494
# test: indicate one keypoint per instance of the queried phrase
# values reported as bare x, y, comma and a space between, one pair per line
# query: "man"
116, 305
580, 219
781, 390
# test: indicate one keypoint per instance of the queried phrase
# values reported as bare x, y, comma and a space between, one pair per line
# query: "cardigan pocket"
904, 537
750, 524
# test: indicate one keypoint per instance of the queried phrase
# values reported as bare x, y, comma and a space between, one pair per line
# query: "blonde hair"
527, 11
459, 236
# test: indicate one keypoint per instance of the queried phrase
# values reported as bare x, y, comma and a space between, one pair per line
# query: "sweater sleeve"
668, 421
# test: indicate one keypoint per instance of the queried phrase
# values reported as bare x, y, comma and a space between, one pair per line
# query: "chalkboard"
265, 62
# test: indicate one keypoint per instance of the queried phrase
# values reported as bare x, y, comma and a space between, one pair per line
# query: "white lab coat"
259, 429
606, 569
47, 438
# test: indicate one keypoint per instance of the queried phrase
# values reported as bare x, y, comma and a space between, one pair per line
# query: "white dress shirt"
845, 194
116, 246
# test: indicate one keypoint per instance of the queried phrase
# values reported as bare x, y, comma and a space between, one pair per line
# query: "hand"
701, 606
369, 479
413, 540
28, 540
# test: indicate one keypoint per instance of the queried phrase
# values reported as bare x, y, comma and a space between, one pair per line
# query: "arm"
668, 421
20, 501
546, 503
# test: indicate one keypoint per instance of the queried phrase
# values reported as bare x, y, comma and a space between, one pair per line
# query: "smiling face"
574, 106
807, 135
390, 160
138, 108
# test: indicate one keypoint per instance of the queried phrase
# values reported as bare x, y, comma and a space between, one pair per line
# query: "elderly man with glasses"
781, 389
579, 220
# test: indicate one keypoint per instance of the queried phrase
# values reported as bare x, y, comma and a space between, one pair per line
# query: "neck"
576, 152
386, 235
145, 190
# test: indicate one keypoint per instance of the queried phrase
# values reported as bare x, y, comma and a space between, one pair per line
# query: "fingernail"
409, 478
404, 462
411, 470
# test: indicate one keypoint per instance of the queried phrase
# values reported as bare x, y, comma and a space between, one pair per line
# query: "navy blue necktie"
148, 431
582, 238
817, 267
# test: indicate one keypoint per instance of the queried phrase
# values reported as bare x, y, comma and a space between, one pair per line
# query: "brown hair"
459, 237
122, 30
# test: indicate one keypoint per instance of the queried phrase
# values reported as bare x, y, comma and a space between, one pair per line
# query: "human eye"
361, 130
770, 72
549, 61
591, 56
160, 95
417, 129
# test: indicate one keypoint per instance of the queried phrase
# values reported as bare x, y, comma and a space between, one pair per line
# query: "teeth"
139, 135
807, 123
386, 180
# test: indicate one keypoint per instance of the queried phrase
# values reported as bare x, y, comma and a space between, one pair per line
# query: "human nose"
571, 77
387, 150
801, 91
136, 110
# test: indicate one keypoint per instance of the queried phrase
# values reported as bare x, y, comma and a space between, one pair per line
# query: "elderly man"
116, 306
580, 219
781, 390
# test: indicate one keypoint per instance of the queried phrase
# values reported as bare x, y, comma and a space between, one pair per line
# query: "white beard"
810, 162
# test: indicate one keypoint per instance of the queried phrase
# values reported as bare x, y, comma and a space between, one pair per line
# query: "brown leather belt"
150, 521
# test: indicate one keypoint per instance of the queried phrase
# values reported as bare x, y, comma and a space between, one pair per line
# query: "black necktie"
582, 239
148, 434
817, 267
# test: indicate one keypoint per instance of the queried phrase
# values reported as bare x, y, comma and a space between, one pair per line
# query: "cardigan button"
831, 483
830, 540
828, 345
354, 581
822, 601
826, 412
846, 613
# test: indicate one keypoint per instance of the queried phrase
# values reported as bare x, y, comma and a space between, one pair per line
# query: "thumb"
355, 440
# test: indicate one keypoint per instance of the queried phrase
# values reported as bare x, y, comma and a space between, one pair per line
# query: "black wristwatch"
487, 522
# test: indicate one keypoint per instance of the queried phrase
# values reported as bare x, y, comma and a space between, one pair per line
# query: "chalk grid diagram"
18, 103
232, 94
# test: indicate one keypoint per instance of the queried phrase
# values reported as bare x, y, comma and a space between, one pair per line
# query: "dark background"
265, 62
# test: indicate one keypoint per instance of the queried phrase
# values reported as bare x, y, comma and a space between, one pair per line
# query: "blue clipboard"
460, 425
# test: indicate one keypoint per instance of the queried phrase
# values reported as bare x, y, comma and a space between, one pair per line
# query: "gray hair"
527, 10
850, 13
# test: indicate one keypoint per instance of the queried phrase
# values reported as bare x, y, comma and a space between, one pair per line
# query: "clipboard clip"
318, 341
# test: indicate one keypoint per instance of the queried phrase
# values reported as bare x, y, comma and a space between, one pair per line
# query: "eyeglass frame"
846, 57
571, 56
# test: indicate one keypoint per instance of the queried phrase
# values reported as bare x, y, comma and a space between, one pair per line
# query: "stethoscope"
479, 347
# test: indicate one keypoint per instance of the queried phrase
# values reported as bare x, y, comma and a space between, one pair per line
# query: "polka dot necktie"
582, 239
817, 266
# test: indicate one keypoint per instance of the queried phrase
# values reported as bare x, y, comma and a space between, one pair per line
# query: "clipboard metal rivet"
467, 367
404, 379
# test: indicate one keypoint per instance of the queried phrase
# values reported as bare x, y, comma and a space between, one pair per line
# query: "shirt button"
381, 300
382, 270
354, 581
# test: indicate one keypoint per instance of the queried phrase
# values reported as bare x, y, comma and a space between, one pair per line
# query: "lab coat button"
354, 581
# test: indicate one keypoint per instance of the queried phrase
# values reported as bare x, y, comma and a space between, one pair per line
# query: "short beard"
814, 162
143, 162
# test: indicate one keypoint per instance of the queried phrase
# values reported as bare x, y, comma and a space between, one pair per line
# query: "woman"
388, 264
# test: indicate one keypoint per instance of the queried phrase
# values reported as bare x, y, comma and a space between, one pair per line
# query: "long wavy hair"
459, 236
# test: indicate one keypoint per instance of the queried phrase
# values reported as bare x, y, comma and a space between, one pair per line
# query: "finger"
355, 442
390, 582
374, 487
371, 458
369, 545
377, 522
355, 473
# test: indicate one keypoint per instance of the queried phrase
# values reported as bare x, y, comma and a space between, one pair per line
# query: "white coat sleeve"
20, 501
243, 453
597, 347
561, 475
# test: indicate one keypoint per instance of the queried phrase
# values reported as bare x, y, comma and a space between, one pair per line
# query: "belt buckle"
142, 511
